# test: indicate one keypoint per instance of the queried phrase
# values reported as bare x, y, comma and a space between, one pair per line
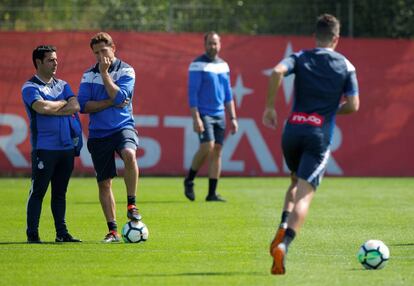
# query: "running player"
325, 85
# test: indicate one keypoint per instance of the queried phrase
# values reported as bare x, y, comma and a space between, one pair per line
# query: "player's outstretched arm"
349, 105
269, 115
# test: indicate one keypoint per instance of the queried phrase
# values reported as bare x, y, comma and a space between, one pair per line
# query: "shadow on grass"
138, 203
197, 274
24, 242
55, 243
163, 202
402, 244
357, 269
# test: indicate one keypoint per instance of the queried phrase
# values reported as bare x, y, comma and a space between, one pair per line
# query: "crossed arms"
59, 108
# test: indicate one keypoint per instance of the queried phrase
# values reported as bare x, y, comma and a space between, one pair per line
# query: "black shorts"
103, 151
306, 155
214, 127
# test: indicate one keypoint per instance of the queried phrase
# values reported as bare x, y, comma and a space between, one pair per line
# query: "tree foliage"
360, 18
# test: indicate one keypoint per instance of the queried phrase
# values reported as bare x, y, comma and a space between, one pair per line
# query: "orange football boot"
279, 253
280, 234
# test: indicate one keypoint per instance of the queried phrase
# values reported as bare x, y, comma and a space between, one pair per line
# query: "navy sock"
289, 236
131, 200
212, 186
191, 175
112, 226
285, 216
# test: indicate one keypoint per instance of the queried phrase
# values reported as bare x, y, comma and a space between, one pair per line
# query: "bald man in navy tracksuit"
209, 96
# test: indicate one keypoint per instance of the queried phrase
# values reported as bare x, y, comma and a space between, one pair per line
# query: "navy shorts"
306, 155
214, 128
103, 151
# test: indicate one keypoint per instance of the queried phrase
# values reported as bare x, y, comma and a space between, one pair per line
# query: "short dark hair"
208, 34
40, 51
327, 26
101, 37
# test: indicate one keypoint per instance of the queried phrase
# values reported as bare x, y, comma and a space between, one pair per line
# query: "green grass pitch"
199, 243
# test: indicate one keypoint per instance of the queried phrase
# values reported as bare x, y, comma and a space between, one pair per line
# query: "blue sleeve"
84, 95
126, 89
30, 95
351, 85
194, 83
289, 63
227, 89
67, 92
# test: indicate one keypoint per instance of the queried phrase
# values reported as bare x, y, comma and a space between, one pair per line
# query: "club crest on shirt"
40, 165
59, 89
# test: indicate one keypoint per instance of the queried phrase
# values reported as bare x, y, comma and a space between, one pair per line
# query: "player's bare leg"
201, 155
214, 169
303, 199
198, 161
304, 196
106, 197
214, 172
291, 194
287, 209
131, 175
107, 200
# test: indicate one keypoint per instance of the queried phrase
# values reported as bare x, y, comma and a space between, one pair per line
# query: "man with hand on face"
106, 92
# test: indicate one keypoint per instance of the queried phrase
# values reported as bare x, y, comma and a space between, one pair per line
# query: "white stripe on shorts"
321, 167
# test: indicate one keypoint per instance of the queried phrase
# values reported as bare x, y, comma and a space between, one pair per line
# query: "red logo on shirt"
313, 119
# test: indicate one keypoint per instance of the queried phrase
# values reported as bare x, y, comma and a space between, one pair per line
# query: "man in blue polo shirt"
209, 94
325, 85
105, 93
50, 105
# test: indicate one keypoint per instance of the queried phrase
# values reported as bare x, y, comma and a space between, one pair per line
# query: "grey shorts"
214, 128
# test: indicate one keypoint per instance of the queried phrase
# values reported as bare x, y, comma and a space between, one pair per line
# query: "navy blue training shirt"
323, 76
48, 132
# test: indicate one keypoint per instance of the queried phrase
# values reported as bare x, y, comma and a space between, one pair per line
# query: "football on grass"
134, 232
373, 254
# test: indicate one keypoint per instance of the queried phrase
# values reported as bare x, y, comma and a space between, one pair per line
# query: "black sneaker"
189, 190
67, 238
215, 198
133, 213
33, 238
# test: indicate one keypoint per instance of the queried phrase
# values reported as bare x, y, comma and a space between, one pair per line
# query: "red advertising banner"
376, 141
